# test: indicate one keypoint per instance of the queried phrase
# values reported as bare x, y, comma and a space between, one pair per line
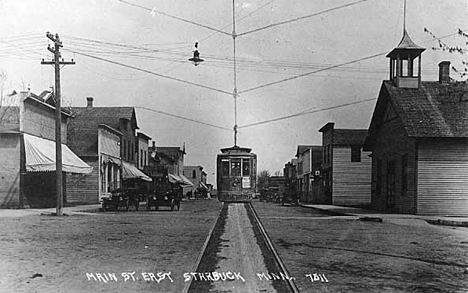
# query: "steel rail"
202, 252
271, 247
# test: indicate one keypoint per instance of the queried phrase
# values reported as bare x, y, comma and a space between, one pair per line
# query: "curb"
328, 212
441, 222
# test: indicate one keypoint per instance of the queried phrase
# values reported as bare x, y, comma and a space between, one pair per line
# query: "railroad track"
239, 256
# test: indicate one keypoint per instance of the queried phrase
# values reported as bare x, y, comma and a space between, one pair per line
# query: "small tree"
460, 49
262, 179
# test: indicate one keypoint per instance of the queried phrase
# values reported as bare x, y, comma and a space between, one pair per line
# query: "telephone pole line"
58, 116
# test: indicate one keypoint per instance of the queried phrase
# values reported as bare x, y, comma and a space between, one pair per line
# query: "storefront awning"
40, 157
186, 181
179, 179
202, 185
131, 172
174, 178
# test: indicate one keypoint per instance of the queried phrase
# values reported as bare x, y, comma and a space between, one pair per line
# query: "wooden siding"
40, 121
84, 188
10, 170
351, 180
391, 145
109, 143
443, 178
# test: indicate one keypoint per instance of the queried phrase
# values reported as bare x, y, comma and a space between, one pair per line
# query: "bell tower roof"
406, 47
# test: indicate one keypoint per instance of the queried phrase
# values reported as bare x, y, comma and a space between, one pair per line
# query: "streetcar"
236, 174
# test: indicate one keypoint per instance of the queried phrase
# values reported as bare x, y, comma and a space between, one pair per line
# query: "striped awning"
131, 172
186, 181
202, 185
179, 179
40, 157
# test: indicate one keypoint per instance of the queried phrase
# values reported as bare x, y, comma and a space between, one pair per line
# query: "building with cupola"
418, 139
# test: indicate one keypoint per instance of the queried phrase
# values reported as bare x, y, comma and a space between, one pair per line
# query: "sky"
135, 53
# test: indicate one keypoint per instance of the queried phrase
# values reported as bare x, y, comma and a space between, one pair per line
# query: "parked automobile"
289, 198
120, 198
166, 198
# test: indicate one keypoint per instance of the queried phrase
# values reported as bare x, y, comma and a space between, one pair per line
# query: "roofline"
47, 105
326, 126
110, 128
143, 135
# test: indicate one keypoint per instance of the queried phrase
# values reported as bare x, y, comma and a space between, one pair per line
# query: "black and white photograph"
242, 146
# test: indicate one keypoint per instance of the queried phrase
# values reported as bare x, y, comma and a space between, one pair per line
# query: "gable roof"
349, 137
82, 131
302, 148
433, 110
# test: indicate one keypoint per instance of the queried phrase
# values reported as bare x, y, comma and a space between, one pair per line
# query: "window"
194, 174
124, 148
355, 153
378, 187
103, 177
225, 167
245, 167
141, 159
390, 199
404, 174
235, 167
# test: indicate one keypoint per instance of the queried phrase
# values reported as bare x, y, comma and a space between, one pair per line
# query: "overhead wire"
183, 118
312, 72
153, 10
302, 113
151, 72
300, 18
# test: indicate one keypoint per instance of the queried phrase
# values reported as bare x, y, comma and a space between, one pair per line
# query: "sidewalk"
80, 209
377, 216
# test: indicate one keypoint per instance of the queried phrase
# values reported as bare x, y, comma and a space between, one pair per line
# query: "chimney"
444, 72
90, 102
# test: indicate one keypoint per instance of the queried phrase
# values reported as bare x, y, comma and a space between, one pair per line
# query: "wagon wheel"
136, 202
148, 207
172, 204
127, 204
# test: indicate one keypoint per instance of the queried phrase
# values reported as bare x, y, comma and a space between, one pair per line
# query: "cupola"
402, 63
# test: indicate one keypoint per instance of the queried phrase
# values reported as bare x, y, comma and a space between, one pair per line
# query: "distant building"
418, 136
27, 149
290, 177
105, 138
308, 161
197, 176
277, 183
171, 159
142, 150
346, 168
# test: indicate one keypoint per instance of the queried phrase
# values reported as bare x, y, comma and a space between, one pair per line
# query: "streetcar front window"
235, 167
245, 167
225, 167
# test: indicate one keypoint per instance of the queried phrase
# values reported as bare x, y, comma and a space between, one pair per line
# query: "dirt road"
104, 252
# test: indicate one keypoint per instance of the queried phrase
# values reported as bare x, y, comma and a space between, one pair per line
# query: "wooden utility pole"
58, 116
